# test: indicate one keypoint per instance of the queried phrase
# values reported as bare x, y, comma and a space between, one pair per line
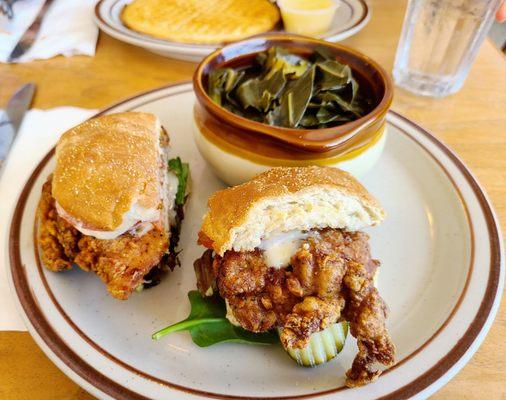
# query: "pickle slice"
322, 347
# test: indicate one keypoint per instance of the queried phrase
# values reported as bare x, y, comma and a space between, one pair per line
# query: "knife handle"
28, 38
33, 30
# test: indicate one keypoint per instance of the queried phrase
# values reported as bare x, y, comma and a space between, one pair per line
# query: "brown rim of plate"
58, 347
314, 140
135, 35
209, 394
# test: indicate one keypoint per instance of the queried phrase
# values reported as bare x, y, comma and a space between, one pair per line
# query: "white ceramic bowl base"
441, 274
234, 170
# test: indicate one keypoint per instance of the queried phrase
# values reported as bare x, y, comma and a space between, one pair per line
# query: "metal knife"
28, 38
15, 111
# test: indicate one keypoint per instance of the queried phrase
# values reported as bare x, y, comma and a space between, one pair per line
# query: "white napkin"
38, 134
67, 28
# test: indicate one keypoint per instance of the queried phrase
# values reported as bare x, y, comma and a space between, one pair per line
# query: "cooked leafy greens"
208, 325
181, 170
288, 90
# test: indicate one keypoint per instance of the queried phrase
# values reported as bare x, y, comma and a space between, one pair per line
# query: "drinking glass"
439, 42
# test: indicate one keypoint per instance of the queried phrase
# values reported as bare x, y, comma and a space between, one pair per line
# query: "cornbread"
200, 21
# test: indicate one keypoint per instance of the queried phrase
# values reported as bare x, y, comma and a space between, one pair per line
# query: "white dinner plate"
441, 275
351, 16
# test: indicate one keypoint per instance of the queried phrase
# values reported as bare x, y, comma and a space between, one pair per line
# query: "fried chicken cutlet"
329, 279
121, 263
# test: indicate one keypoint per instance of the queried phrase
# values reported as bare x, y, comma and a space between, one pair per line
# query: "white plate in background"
351, 16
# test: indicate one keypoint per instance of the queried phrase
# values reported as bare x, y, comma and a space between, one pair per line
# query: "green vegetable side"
181, 170
323, 346
287, 90
208, 325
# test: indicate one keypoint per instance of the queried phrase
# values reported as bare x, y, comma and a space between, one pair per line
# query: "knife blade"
15, 111
28, 38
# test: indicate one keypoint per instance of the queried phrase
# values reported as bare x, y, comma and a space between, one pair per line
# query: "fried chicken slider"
110, 205
286, 252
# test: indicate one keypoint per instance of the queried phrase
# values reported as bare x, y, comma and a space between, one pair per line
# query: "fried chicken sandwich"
286, 252
114, 203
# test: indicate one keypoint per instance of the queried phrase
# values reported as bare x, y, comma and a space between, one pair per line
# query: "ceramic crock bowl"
237, 148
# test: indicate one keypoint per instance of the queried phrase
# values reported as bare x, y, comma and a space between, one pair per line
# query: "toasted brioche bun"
286, 199
107, 175
200, 21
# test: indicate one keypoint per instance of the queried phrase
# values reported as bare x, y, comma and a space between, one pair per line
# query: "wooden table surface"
472, 122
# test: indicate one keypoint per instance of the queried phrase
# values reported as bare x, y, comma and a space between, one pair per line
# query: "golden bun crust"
200, 21
105, 165
286, 198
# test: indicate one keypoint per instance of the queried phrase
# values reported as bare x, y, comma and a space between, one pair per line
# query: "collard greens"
285, 89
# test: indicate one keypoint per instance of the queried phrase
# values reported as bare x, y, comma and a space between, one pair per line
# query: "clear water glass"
439, 42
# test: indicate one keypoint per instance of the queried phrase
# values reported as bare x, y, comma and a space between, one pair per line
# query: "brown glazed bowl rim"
327, 138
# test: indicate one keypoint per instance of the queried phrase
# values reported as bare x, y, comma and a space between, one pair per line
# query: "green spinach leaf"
208, 325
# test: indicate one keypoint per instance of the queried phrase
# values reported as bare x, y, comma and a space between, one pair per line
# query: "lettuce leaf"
181, 170
208, 325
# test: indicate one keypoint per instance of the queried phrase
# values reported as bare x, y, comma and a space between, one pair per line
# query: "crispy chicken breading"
311, 315
329, 279
367, 323
121, 263
57, 239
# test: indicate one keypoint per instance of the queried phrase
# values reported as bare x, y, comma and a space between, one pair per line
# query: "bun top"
108, 168
286, 199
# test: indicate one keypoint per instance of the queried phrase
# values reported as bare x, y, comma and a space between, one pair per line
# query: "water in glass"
438, 44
